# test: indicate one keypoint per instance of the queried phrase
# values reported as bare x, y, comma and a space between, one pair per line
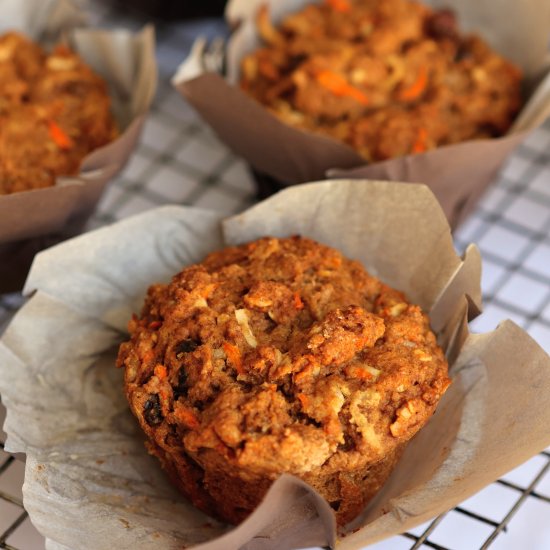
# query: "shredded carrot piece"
155, 324
187, 416
358, 372
60, 138
335, 261
333, 426
339, 5
234, 355
417, 88
304, 399
421, 143
164, 397
160, 372
148, 356
339, 86
310, 363
208, 289
298, 304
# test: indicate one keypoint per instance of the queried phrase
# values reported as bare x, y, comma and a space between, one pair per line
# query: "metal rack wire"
180, 161
7, 498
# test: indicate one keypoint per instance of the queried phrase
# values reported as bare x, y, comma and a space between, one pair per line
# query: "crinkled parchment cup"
31, 220
89, 482
457, 174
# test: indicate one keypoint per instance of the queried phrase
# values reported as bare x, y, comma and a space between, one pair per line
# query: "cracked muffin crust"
280, 355
54, 110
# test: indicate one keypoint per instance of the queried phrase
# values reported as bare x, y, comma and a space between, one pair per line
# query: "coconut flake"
371, 370
200, 302
242, 318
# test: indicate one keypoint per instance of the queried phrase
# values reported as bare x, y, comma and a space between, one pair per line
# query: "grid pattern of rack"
180, 161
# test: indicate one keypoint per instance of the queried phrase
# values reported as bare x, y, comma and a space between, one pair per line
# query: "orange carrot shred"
310, 363
160, 372
187, 416
332, 427
358, 372
304, 399
339, 5
206, 292
59, 137
298, 304
234, 356
164, 397
339, 86
335, 261
417, 88
421, 143
155, 324
148, 356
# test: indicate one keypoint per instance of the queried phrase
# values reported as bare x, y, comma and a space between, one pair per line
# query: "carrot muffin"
280, 355
54, 110
388, 77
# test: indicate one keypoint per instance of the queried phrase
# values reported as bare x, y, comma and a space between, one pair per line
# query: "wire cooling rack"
180, 161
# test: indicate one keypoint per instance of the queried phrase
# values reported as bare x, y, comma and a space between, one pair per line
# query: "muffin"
54, 110
280, 356
387, 77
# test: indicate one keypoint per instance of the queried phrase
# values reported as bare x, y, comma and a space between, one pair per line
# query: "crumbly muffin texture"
388, 77
280, 355
54, 110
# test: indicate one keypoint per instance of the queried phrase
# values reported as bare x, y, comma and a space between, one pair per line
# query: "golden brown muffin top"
282, 355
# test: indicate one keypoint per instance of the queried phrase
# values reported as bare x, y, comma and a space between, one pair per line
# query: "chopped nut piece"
422, 355
200, 302
61, 63
398, 309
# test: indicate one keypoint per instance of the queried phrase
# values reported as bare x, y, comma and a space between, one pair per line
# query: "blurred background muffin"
54, 110
389, 78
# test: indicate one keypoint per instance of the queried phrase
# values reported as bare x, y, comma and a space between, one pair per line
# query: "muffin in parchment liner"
35, 218
282, 155
89, 479
278, 356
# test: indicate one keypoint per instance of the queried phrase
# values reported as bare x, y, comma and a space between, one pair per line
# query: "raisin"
246, 387
180, 389
442, 24
347, 445
186, 346
463, 52
151, 411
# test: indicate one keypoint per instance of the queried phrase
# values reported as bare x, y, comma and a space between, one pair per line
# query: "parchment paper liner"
89, 483
457, 174
33, 219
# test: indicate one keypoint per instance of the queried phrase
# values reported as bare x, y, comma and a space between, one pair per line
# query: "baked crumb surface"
388, 77
280, 355
54, 110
